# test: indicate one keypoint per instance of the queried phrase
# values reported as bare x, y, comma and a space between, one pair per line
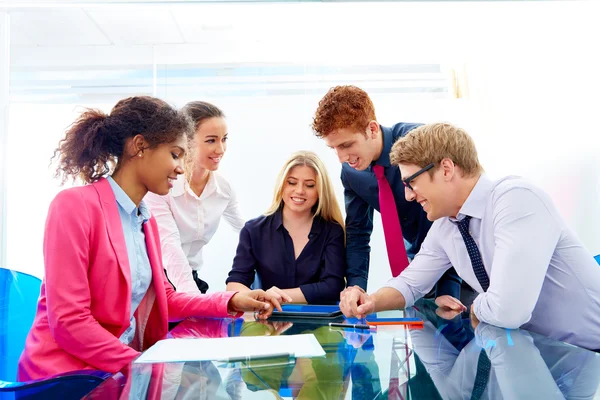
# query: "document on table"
232, 348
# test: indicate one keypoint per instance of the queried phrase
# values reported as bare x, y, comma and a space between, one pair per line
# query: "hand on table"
259, 301
449, 307
350, 288
354, 302
280, 295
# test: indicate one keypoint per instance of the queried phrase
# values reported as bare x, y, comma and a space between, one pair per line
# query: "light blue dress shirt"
132, 219
542, 278
523, 365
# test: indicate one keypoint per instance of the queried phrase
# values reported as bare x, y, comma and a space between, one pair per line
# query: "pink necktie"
394, 240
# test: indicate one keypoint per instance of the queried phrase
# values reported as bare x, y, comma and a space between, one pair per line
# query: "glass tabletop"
445, 359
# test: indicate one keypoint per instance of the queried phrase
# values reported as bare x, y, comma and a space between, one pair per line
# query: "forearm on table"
296, 295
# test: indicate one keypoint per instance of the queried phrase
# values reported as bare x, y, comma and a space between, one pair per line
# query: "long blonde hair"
327, 206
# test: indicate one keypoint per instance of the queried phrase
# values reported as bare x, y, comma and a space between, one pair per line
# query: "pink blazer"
85, 299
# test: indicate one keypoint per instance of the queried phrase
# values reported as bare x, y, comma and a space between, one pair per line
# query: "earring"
139, 154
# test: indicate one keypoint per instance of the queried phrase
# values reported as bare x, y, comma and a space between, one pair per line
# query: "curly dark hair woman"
95, 142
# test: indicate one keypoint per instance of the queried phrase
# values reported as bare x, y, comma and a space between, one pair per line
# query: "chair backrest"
19, 294
257, 284
597, 258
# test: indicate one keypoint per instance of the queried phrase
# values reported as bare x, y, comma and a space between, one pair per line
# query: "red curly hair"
343, 107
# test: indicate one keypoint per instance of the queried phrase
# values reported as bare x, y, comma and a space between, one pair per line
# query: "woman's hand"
279, 294
259, 301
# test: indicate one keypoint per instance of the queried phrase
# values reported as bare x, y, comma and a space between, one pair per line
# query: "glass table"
445, 359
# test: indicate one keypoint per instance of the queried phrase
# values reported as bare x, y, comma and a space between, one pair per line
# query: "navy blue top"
266, 247
361, 194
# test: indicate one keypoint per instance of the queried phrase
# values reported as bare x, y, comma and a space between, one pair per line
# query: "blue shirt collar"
126, 203
388, 141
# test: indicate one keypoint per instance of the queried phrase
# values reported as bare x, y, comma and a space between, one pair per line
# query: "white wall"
532, 78
34, 133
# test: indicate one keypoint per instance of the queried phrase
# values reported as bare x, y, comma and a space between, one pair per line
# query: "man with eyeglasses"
505, 238
345, 120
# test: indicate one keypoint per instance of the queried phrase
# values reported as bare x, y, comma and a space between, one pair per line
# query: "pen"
256, 358
350, 326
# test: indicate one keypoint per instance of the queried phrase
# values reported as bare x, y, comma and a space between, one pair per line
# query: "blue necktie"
474, 255
482, 376
483, 364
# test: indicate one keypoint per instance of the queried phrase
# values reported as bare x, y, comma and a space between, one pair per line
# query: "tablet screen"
309, 308
298, 311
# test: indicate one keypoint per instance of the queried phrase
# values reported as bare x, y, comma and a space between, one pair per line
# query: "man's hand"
449, 307
279, 294
354, 302
258, 301
474, 320
350, 288
451, 303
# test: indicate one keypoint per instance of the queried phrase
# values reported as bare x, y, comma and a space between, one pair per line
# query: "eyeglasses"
411, 178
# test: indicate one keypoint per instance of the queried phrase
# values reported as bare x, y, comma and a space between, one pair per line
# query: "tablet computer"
307, 311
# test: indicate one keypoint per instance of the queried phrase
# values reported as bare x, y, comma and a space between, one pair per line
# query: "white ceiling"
208, 48
90, 23
55, 27
209, 33
103, 26
309, 33
193, 46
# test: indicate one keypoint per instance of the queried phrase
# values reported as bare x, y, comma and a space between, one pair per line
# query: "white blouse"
187, 222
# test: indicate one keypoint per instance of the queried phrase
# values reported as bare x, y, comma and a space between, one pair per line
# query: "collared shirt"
267, 248
132, 219
541, 276
361, 194
187, 222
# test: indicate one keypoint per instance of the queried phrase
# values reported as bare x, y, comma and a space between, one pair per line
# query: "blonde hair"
327, 206
432, 143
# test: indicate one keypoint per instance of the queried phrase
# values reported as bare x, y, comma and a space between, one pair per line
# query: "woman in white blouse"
189, 215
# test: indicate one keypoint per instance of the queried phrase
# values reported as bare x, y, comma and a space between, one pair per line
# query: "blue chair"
597, 258
257, 284
19, 294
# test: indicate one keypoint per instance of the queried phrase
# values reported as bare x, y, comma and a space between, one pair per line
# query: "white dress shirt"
186, 223
541, 276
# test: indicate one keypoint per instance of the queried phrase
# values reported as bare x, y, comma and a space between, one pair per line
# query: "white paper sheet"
182, 350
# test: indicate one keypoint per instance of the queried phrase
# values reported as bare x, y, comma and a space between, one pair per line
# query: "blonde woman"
189, 215
297, 247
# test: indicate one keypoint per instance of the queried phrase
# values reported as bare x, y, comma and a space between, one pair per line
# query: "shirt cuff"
357, 282
401, 286
477, 308
309, 293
